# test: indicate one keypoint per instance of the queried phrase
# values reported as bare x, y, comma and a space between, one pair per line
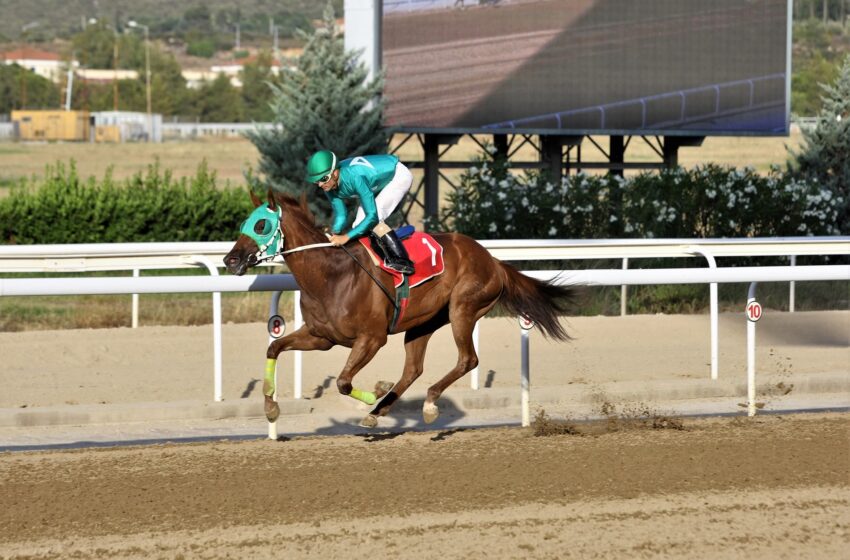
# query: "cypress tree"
326, 102
825, 154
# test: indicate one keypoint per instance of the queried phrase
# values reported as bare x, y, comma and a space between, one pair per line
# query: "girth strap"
402, 298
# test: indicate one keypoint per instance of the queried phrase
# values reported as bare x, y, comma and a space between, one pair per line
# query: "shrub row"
148, 207
709, 201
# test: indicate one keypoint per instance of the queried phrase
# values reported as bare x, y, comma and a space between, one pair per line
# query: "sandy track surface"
730, 488
166, 364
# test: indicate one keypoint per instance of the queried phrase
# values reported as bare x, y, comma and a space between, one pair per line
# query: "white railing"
129, 256
100, 257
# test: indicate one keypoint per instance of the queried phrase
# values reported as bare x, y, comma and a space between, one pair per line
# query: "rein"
372, 276
321, 245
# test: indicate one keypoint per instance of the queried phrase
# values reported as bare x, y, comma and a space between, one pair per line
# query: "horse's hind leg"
414, 348
463, 318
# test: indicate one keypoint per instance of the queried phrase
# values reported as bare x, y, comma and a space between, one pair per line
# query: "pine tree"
328, 103
825, 155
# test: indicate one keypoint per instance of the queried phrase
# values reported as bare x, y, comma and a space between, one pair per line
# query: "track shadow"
405, 416
249, 389
445, 434
488, 382
320, 389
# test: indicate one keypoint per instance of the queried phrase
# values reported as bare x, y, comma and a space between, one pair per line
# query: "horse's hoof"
370, 421
382, 388
430, 412
272, 411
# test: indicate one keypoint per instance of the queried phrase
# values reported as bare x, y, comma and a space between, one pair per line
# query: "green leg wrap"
268, 383
364, 396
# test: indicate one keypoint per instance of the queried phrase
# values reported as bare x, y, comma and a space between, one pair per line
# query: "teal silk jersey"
362, 177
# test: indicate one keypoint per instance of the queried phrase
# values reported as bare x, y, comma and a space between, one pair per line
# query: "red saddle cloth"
424, 251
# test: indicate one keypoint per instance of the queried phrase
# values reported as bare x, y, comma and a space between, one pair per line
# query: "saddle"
424, 251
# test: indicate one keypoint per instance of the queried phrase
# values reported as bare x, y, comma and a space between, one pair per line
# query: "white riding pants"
388, 199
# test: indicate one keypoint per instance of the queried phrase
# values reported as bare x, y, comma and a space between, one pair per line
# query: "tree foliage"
825, 155
257, 80
219, 101
818, 51
23, 89
327, 102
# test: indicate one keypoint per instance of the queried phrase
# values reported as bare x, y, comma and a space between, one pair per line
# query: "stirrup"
401, 267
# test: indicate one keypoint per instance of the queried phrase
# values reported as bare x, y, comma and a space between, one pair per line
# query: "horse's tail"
536, 300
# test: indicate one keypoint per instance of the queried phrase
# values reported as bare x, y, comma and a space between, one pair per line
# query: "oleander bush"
709, 201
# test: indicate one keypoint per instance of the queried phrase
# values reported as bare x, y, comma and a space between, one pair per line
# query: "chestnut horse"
342, 304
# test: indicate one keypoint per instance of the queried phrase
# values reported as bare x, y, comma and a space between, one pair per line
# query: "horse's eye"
261, 227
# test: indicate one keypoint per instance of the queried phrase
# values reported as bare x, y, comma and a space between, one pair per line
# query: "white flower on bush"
612, 218
504, 183
552, 231
473, 170
524, 201
628, 228
501, 195
493, 227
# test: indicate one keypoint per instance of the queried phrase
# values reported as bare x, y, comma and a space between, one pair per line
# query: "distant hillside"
45, 20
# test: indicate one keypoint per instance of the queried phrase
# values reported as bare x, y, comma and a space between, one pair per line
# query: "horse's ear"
272, 201
254, 198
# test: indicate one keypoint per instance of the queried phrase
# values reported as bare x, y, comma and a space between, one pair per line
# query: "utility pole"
135, 24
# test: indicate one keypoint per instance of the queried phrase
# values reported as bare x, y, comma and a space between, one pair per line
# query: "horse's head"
260, 236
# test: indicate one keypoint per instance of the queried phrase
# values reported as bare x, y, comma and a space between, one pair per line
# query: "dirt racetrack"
770, 487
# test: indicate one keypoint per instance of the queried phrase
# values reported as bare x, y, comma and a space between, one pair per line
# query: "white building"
45, 64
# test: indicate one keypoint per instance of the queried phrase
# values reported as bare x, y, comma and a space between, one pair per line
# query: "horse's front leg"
363, 350
298, 340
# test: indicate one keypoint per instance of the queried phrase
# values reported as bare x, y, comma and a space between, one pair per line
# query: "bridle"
278, 237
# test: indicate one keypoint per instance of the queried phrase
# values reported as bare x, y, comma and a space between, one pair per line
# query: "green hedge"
704, 202
148, 207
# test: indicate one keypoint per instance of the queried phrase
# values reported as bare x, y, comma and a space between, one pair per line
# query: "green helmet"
321, 163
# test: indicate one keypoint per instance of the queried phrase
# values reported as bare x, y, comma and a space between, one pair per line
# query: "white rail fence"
147, 256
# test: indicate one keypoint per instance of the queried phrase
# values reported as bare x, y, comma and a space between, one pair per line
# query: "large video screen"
695, 67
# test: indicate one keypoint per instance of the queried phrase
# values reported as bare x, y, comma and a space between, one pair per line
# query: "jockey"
380, 182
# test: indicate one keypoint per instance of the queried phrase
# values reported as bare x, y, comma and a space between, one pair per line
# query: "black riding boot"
395, 254
377, 246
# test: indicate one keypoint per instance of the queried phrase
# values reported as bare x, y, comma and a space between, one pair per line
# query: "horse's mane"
297, 208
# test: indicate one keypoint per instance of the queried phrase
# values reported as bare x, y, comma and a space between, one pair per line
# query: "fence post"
273, 306
624, 291
792, 288
299, 321
712, 290
217, 392
753, 314
525, 369
135, 319
473, 378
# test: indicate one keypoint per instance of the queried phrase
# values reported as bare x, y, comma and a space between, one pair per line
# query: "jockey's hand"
339, 240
